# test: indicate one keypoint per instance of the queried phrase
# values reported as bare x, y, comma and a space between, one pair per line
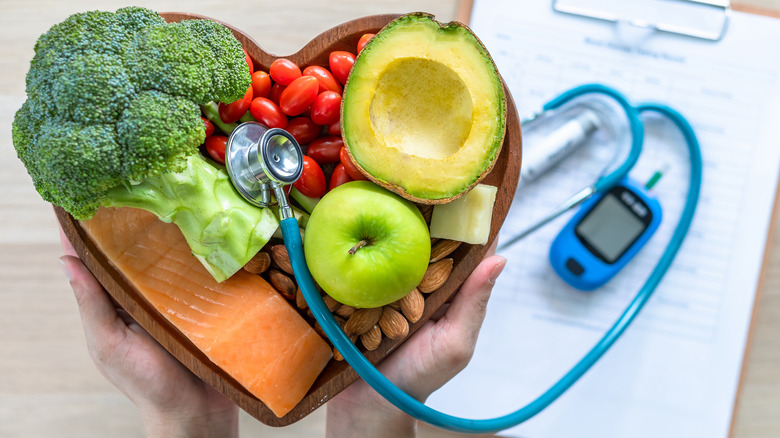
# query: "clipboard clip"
705, 19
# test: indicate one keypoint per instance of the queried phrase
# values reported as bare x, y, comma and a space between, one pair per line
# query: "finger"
98, 314
441, 311
66, 246
467, 310
492, 249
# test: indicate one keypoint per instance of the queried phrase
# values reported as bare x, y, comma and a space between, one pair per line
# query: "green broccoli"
112, 118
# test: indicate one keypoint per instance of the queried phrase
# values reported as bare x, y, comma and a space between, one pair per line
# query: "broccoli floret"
133, 19
143, 135
171, 59
227, 72
81, 163
110, 89
112, 118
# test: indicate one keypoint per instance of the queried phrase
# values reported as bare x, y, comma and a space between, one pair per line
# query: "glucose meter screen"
610, 228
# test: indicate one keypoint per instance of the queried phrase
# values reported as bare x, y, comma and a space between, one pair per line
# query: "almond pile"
369, 325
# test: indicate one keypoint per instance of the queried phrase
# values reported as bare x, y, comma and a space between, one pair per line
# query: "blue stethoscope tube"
417, 409
634, 124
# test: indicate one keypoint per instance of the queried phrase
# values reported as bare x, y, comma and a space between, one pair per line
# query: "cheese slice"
467, 218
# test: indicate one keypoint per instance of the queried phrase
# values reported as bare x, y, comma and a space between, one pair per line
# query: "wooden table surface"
48, 384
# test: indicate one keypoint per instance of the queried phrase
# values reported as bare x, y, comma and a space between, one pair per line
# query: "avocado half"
424, 110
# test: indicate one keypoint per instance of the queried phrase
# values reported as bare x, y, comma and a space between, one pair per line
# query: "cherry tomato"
231, 112
299, 95
349, 166
340, 63
267, 112
303, 130
208, 125
334, 128
276, 92
326, 79
339, 177
249, 62
363, 40
283, 71
215, 146
326, 150
261, 84
326, 108
312, 181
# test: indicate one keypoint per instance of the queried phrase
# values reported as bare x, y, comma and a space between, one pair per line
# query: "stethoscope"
261, 161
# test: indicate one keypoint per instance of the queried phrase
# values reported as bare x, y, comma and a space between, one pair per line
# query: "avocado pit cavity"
422, 108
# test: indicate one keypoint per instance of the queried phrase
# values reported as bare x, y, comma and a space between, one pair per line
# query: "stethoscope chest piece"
261, 160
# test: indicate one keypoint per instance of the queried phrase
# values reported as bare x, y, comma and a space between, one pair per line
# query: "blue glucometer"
604, 235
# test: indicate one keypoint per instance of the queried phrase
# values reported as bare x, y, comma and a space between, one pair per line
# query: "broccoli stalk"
112, 118
211, 112
221, 231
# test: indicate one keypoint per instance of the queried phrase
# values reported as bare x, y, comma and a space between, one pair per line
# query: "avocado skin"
419, 155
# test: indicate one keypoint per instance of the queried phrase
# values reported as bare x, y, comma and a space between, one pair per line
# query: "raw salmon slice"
242, 324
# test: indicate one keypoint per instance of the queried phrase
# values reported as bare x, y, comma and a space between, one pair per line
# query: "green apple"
366, 246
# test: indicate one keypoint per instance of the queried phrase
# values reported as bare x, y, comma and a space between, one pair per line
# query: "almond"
281, 258
345, 311
300, 301
443, 248
412, 305
436, 275
330, 303
372, 338
393, 324
282, 283
362, 320
259, 263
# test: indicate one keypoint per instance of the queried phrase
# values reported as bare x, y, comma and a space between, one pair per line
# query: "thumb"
66, 246
467, 310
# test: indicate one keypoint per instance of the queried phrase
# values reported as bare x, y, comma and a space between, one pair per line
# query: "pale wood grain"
48, 385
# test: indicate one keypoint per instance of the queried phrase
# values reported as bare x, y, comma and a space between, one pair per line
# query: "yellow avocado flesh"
421, 108
424, 109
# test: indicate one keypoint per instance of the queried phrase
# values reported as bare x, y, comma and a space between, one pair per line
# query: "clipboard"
772, 242
463, 14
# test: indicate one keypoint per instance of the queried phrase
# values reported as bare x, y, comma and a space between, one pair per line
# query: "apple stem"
359, 245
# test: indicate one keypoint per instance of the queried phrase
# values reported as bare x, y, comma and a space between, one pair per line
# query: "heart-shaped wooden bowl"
337, 375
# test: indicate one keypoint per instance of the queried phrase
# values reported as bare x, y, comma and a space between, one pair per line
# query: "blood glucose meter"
604, 235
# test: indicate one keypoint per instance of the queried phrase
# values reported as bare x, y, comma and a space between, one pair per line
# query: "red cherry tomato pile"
307, 103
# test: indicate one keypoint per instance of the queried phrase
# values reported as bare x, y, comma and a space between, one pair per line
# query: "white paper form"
675, 372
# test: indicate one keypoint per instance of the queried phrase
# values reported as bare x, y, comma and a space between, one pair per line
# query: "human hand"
438, 351
172, 401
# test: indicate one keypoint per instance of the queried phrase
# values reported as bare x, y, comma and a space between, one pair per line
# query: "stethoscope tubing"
417, 409
635, 126
604, 183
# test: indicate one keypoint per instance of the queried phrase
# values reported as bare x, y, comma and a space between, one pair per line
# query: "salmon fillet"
242, 324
